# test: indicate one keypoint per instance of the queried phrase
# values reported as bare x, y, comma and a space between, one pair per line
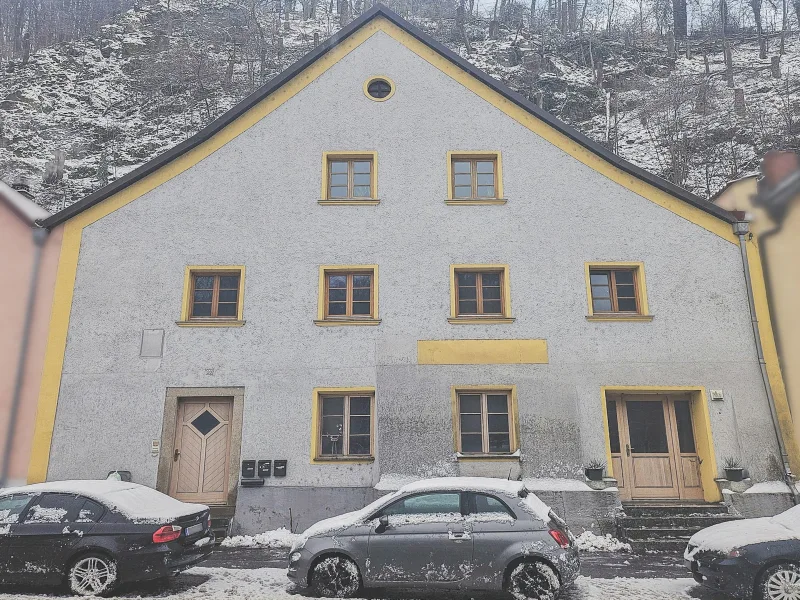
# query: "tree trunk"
533, 12
680, 19
461, 19
762, 43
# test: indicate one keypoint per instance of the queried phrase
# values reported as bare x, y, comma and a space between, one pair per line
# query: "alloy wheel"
533, 580
783, 584
336, 577
92, 576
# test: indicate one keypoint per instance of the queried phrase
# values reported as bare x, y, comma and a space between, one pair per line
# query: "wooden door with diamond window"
201, 460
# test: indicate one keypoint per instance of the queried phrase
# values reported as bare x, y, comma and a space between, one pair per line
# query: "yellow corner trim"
328, 156
479, 321
321, 320
387, 80
506, 289
187, 285
496, 201
482, 352
641, 284
490, 154
513, 414
349, 202
221, 323
317, 393
701, 420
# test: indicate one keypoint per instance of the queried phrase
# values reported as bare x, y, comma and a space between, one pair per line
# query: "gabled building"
385, 264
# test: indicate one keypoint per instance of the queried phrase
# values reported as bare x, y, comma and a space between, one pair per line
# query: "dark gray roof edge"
282, 78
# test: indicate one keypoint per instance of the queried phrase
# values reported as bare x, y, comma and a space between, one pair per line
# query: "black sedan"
751, 558
94, 535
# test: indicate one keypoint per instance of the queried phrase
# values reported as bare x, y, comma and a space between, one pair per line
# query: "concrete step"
663, 509
658, 533
672, 546
699, 522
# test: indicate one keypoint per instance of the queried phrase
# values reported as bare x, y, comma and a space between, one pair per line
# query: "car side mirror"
383, 524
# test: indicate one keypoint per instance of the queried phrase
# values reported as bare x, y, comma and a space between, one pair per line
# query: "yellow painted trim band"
315, 411
482, 352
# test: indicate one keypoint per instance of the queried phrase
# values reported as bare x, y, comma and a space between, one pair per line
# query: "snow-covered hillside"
83, 113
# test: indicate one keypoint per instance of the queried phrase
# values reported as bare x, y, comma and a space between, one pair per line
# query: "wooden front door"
653, 448
201, 460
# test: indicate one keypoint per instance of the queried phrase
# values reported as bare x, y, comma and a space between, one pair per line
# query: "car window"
90, 512
424, 504
11, 507
484, 505
54, 508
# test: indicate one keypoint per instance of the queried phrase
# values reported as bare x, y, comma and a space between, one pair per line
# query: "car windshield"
789, 519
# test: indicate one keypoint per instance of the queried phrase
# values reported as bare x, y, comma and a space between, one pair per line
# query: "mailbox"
265, 468
248, 469
280, 468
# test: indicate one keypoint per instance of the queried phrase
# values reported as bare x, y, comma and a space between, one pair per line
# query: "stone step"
698, 522
672, 546
673, 509
658, 533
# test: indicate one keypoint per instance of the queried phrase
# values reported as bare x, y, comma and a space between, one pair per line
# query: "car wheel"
781, 582
533, 580
92, 575
335, 577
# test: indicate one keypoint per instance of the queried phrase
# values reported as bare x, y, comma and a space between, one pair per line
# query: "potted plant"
594, 470
733, 469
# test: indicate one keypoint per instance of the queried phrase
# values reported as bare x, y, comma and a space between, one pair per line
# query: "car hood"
724, 537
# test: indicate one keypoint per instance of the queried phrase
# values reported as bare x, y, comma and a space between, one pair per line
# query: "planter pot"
734, 474
594, 474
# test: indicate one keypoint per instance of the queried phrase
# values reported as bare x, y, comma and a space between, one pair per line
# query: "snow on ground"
277, 538
589, 542
768, 487
272, 584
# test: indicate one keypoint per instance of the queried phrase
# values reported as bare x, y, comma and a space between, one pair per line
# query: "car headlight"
294, 557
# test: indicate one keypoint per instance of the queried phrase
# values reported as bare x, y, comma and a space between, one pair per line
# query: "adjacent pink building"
28, 271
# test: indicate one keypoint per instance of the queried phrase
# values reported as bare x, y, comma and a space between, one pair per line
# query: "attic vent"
379, 88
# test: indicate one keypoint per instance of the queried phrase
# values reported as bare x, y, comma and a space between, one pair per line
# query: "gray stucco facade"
254, 202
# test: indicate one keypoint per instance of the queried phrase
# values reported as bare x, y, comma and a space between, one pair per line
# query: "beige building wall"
18, 250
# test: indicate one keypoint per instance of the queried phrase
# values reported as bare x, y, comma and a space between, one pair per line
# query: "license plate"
194, 529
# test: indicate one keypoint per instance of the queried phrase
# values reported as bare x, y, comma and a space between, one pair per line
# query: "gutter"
742, 230
39, 238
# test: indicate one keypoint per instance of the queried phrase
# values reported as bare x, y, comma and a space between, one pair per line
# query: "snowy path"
202, 583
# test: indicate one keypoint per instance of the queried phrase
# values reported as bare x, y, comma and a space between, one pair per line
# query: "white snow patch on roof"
735, 534
552, 484
768, 487
137, 502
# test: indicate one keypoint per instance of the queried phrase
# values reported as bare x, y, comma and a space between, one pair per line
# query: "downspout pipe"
742, 230
39, 238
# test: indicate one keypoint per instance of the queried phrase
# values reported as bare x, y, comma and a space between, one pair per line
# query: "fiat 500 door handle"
458, 536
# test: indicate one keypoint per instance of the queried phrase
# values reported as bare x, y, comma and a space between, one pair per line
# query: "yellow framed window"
349, 178
617, 291
213, 295
475, 177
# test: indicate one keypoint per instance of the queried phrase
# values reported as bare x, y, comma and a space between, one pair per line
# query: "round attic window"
379, 88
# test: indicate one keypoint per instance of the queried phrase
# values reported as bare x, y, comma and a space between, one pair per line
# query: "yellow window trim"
641, 288
513, 414
322, 321
349, 155
387, 80
489, 154
483, 202
489, 319
349, 202
315, 424
73, 228
701, 420
185, 321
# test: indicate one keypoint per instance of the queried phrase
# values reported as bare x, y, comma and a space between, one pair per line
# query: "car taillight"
560, 537
208, 524
167, 533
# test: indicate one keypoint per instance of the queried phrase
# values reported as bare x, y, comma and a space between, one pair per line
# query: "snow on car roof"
137, 502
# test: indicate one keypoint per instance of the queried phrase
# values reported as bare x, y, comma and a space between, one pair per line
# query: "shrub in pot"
594, 470
733, 469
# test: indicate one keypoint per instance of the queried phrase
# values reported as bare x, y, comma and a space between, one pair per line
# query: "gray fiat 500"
453, 532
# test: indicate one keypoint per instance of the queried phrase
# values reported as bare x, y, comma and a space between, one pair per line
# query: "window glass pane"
499, 442
467, 307
491, 279
601, 291
485, 191
461, 166
203, 282
359, 424
359, 445
338, 167
467, 293
613, 426
228, 295
360, 405
229, 282
201, 309
361, 192
646, 426
361, 281
361, 308
470, 423
683, 421
90, 512
202, 295
471, 442
226, 309
361, 166
491, 293
331, 445
465, 179
624, 277
441, 503
337, 281
492, 307
602, 305
55, 508
488, 504
497, 403
338, 192
337, 308
598, 278
11, 507
333, 425
463, 192
333, 405
361, 179
361, 294
337, 295
339, 179
486, 179
497, 424
470, 403
626, 304
467, 279
485, 166
626, 291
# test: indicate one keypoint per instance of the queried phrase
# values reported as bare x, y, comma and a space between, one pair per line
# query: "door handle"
177, 455
628, 449
457, 536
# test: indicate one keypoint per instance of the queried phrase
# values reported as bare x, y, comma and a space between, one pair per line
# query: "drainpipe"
742, 229
39, 238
